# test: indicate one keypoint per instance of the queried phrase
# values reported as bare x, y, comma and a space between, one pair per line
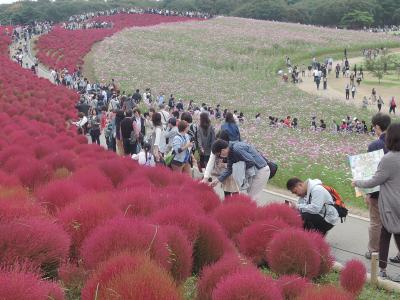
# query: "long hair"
229, 118
205, 121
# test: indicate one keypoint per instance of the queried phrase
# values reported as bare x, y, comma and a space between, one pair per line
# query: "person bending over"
315, 204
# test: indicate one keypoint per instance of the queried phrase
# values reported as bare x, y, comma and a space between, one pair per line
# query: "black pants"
227, 194
392, 109
353, 94
347, 95
95, 135
127, 146
204, 160
315, 222
384, 244
379, 107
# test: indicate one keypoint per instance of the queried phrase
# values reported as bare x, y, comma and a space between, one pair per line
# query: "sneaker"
383, 274
395, 259
368, 255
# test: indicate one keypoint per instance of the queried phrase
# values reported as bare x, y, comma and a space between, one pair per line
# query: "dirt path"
336, 87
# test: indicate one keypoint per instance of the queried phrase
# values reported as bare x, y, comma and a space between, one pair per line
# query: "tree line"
343, 13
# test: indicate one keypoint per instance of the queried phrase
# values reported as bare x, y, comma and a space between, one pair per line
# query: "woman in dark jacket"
231, 127
118, 119
205, 138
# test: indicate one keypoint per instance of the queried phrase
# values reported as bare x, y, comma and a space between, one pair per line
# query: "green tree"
357, 19
376, 67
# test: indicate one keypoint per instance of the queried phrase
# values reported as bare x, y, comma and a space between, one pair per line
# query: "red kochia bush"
181, 216
202, 194
85, 214
130, 277
254, 240
23, 285
180, 253
282, 212
33, 174
14, 207
92, 178
122, 234
210, 245
212, 274
247, 284
293, 251
327, 259
235, 216
292, 286
39, 241
326, 292
57, 194
136, 202
115, 169
353, 277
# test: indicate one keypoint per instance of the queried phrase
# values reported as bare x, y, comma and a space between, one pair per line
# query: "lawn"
233, 62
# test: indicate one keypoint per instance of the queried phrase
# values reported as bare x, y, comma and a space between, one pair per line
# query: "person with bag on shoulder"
254, 161
181, 147
315, 204
158, 141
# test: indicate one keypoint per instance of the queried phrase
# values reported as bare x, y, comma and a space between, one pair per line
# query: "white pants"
258, 183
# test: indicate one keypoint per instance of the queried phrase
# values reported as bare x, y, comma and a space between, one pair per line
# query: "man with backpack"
315, 204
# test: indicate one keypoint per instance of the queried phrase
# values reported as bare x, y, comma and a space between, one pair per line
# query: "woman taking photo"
181, 146
388, 178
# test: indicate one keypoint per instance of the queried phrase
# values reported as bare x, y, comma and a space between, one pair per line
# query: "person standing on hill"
380, 103
347, 89
393, 106
353, 91
231, 128
380, 123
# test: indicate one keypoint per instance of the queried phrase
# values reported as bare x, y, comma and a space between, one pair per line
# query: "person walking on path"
353, 91
256, 164
387, 177
393, 106
380, 103
380, 123
347, 89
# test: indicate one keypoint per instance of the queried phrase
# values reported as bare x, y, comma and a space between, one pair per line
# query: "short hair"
292, 182
229, 118
128, 113
205, 121
137, 110
223, 135
156, 119
172, 121
393, 137
381, 119
182, 126
218, 146
186, 116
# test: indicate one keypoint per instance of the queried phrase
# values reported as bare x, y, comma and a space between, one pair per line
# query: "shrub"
235, 216
14, 207
40, 241
24, 285
115, 169
122, 234
62, 159
85, 214
8, 179
324, 250
181, 216
203, 195
282, 212
211, 244
293, 251
72, 275
353, 277
92, 178
254, 240
130, 277
180, 253
33, 174
247, 284
212, 274
327, 292
58, 193
136, 202
292, 286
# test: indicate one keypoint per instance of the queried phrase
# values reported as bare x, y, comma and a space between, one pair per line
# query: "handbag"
273, 168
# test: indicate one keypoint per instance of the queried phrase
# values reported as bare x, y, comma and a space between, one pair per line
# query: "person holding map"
387, 177
380, 122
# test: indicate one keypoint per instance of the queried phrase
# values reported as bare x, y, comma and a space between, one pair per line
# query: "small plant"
353, 277
293, 286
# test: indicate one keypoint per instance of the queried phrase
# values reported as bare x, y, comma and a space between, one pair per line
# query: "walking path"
348, 240
336, 86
